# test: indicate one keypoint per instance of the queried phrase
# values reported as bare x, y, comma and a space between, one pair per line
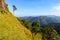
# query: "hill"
11, 28
45, 20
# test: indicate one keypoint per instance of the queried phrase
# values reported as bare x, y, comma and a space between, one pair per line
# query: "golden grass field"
12, 29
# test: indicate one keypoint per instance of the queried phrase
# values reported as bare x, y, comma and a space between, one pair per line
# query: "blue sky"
35, 7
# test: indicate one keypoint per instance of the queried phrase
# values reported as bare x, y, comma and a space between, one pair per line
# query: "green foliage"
14, 8
3, 11
26, 24
50, 33
35, 27
38, 33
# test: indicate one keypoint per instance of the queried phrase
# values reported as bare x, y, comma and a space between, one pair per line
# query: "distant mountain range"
45, 20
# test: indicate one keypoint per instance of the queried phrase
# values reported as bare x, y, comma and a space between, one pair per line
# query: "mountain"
45, 20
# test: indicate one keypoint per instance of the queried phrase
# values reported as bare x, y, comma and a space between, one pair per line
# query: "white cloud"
56, 8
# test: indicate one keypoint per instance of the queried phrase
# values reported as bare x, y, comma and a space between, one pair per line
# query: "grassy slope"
38, 36
11, 28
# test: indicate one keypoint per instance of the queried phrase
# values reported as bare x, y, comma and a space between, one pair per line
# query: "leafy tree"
35, 27
50, 33
26, 23
14, 8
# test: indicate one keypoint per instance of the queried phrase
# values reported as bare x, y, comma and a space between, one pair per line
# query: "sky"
34, 7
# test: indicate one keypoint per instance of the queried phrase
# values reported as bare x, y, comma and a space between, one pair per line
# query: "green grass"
12, 29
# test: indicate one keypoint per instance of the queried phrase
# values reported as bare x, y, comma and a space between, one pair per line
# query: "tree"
14, 8
26, 23
50, 33
35, 27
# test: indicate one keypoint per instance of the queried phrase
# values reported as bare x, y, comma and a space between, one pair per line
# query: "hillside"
11, 28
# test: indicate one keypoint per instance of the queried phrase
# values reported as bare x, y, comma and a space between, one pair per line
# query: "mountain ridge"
45, 20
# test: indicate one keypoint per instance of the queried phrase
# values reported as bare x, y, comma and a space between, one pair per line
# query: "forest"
48, 32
